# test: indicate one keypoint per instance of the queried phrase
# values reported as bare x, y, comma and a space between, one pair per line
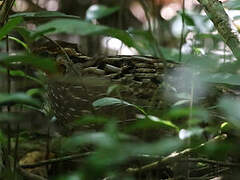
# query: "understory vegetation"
190, 128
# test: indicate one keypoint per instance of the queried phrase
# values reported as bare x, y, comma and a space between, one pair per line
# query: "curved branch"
215, 11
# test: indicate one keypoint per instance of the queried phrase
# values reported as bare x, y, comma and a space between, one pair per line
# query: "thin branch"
55, 160
208, 161
29, 176
215, 11
174, 156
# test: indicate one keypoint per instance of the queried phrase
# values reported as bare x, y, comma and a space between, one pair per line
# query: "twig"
55, 160
213, 174
220, 163
215, 11
174, 156
29, 176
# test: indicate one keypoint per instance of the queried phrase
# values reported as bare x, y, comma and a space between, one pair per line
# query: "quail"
81, 80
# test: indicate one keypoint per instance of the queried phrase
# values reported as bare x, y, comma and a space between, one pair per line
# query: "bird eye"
61, 63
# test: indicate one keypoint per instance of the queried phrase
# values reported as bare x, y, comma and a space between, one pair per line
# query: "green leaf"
221, 78
20, 73
188, 19
97, 11
9, 26
34, 91
91, 119
163, 122
112, 88
42, 14
3, 141
25, 33
38, 34
74, 26
231, 107
204, 63
18, 98
20, 42
30, 36
182, 102
109, 101
144, 42
183, 112
44, 64
152, 121
234, 4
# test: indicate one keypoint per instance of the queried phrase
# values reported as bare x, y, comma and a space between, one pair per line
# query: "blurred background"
162, 18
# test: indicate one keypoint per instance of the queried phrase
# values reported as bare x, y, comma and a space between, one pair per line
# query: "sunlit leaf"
182, 102
97, 11
20, 42
163, 122
109, 101
150, 121
74, 26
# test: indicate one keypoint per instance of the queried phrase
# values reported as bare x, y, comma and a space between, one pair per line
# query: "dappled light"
140, 89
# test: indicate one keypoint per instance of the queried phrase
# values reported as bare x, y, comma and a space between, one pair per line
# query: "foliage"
181, 126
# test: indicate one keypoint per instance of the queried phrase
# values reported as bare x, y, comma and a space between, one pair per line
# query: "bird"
80, 80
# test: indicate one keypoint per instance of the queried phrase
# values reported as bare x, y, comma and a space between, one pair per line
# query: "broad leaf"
153, 121
188, 19
222, 78
74, 26
231, 107
19, 73
97, 11
44, 64
234, 4
9, 26
109, 101
20, 42
18, 98
42, 14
